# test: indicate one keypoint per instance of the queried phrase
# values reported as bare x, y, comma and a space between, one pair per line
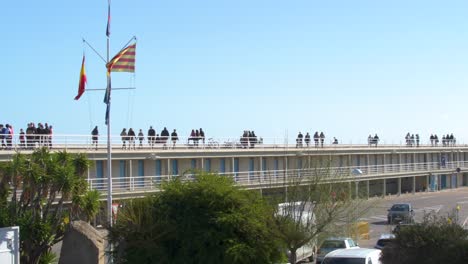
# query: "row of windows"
360, 160
175, 166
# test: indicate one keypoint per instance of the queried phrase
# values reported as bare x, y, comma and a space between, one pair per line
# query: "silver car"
334, 243
400, 213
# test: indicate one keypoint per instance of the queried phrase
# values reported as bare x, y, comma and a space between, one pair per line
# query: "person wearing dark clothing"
431, 138
22, 139
2, 135
245, 139
299, 140
164, 137
376, 140
322, 138
307, 139
253, 139
30, 136
202, 136
436, 139
131, 138
335, 141
174, 138
316, 139
192, 137
417, 140
141, 137
123, 136
95, 137
9, 136
151, 136
197, 137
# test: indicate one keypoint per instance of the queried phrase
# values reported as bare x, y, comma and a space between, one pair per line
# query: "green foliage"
208, 220
33, 192
435, 240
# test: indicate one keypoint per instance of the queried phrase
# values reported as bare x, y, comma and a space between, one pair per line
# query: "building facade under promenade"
376, 171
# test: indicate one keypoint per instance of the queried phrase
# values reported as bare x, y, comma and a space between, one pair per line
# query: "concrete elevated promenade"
382, 170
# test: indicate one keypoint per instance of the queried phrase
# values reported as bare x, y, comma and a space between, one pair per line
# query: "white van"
353, 256
301, 211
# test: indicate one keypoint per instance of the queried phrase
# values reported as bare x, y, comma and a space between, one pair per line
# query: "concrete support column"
368, 163
414, 184
399, 162
262, 173
384, 164
357, 189
130, 173
202, 163
399, 187
415, 162
384, 187
168, 169
368, 188
232, 166
427, 161
427, 182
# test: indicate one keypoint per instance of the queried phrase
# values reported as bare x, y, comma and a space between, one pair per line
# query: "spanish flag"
124, 61
82, 84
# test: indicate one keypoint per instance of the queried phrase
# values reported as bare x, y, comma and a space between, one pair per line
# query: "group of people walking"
319, 139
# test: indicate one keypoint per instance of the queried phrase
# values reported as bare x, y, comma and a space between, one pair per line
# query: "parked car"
353, 256
334, 243
400, 213
384, 240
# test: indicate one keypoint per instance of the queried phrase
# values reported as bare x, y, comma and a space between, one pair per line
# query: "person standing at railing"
174, 138
307, 139
123, 136
131, 138
141, 137
95, 137
22, 139
322, 139
436, 140
164, 137
2, 135
417, 140
202, 136
47, 136
9, 136
431, 138
299, 140
197, 137
253, 139
151, 136
316, 139
30, 136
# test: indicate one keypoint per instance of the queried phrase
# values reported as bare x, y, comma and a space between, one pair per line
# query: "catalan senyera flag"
124, 61
82, 84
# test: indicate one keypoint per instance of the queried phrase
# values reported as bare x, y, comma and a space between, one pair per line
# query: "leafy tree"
34, 192
435, 240
319, 202
208, 220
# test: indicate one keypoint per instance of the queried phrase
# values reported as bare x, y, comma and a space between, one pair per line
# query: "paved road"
441, 202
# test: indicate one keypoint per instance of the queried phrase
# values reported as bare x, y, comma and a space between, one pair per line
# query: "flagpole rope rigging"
133, 38
95, 51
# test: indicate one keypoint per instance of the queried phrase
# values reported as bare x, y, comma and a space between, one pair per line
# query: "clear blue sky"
347, 68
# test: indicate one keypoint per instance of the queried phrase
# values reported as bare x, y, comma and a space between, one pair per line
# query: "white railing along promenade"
267, 178
85, 142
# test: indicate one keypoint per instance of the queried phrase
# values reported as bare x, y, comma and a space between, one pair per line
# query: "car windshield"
383, 242
400, 207
334, 244
344, 261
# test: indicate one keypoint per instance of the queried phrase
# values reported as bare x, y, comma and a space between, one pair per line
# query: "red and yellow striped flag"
124, 61
82, 84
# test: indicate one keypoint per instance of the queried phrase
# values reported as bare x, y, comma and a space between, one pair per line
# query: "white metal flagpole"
109, 149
